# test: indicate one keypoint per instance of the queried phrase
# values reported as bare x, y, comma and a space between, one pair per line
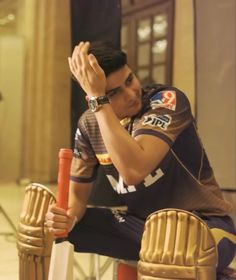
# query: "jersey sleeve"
168, 115
84, 163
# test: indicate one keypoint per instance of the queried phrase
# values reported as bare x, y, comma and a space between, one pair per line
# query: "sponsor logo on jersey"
125, 121
119, 215
77, 134
104, 159
121, 188
164, 99
119, 185
153, 177
77, 153
162, 121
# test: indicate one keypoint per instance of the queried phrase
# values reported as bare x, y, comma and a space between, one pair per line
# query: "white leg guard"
177, 244
34, 243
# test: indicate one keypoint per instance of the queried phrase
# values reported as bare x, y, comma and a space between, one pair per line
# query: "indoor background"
189, 44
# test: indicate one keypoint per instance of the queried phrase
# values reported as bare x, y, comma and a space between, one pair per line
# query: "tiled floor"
11, 199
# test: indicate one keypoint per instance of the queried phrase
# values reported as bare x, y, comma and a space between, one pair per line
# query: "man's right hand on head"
86, 70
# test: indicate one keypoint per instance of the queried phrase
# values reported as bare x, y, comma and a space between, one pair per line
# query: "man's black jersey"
184, 179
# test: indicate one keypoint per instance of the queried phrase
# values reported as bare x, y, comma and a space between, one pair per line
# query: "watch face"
96, 102
93, 104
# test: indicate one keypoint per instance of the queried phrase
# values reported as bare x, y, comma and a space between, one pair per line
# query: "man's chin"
134, 110
137, 108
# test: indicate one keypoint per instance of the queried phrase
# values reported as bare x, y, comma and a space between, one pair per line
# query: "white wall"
183, 59
11, 86
216, 85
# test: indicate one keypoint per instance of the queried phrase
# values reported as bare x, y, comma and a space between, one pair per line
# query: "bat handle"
65, 158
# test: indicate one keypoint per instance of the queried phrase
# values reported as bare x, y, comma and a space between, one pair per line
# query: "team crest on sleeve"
162, 121
164, 99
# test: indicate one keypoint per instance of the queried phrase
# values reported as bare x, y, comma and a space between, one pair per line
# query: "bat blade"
61, 263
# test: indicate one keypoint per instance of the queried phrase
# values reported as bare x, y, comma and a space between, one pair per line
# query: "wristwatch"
95, 103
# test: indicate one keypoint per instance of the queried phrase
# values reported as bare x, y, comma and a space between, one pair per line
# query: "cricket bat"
61, 263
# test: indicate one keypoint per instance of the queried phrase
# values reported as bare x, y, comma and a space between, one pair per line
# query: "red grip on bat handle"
63, 180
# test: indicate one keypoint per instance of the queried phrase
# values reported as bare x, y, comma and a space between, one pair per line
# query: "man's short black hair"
109, 57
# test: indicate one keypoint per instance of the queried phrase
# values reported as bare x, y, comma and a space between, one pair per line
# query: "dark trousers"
118, 234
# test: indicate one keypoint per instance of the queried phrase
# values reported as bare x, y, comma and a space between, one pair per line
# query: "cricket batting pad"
177, 244
34, 242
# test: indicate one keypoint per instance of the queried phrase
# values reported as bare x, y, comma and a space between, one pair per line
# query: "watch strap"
102, 100
96, 102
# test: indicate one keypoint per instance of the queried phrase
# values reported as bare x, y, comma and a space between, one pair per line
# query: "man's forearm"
123, 149
78, 198
134, 159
